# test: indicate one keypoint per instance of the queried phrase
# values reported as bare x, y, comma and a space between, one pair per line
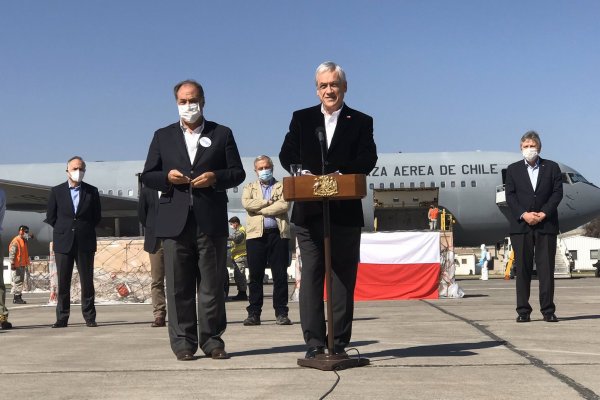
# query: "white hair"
330, 66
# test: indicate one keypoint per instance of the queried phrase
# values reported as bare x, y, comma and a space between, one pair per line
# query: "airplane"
468, 185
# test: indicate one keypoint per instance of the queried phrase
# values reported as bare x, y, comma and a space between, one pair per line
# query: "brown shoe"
185, 356
219, 354
158, 322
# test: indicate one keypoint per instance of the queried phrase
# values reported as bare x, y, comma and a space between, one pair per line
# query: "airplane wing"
22, 196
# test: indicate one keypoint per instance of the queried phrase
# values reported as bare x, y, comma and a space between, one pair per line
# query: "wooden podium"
324, 188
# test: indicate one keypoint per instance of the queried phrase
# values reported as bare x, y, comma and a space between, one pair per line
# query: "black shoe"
5, 325
241, 296
282, 319
18, 300
91, 324
312, 352
60, 324
252, 320
340, 351
185, 356
523, 318
551, 318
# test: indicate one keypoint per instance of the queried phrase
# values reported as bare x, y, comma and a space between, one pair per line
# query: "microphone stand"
329, 361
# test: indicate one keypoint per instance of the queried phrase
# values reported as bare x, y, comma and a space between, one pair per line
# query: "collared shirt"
269, 222
331, 121
533, 172
75, 196
192, 138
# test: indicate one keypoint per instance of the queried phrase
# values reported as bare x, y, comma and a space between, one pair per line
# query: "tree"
592, 228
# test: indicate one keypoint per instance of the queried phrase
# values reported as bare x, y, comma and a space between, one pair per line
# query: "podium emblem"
325, 186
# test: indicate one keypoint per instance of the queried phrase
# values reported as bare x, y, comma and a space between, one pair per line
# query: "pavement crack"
583, 391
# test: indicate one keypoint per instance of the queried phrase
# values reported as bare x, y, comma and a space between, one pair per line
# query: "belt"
271, 230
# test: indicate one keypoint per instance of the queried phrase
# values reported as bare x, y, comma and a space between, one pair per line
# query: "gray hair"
189, 82
263, 157
75, 158
532, 135
332, 67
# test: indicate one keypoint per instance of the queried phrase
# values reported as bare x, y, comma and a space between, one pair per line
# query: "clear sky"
95, 78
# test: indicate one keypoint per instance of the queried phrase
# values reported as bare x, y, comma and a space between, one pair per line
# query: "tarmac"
468, 348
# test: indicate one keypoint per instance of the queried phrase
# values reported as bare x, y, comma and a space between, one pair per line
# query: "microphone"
320, 132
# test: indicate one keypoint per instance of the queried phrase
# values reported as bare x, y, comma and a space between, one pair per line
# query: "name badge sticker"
205, 142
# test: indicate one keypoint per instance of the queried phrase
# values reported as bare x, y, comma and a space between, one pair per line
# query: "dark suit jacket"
69, 225
521, 197
352, 151
147, 210
167, 151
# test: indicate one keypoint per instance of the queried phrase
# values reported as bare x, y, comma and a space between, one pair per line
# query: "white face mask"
77, 175
190, 112
530, 154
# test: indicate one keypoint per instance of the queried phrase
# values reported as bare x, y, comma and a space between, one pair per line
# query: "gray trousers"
239, 273
18, 277
194, 263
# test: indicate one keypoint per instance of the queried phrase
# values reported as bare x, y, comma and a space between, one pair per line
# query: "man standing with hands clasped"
192, 162
73, 212
350, 149
533, 193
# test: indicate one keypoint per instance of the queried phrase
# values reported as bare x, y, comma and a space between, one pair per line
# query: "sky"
94, 78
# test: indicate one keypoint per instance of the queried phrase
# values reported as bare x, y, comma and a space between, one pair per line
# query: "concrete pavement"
469, 348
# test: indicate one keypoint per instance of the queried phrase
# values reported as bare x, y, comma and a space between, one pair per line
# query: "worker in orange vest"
432, 216
18, 255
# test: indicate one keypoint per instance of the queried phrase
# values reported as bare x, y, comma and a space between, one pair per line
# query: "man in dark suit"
147, 210
533, 192
74, 212
192, 162
350, 150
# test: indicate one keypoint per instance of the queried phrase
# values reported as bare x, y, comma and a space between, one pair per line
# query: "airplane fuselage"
467, 183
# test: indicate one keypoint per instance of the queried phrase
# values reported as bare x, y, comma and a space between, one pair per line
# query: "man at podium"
345, 136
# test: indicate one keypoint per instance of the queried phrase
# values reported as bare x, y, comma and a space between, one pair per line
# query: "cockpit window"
565, 178
577, 178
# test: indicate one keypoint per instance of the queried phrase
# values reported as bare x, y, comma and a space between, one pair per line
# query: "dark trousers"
541, 248
194, 263
64, 269
269, 249
345, 255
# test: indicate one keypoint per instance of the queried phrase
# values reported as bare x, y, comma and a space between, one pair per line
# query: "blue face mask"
265, 175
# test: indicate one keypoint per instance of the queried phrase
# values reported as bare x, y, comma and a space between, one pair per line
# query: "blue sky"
95, 78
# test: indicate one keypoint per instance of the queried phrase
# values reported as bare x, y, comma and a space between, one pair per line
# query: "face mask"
265, 175
190, 112
77, 175
26, 236
231, 227
530, 154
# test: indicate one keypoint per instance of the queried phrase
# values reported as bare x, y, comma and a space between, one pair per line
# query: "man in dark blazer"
74, 212
147, 210
350, 150
192, 162
533, 193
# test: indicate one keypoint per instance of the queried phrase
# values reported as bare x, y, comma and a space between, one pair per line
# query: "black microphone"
320, 131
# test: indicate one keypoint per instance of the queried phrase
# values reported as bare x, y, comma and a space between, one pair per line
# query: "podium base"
326, 362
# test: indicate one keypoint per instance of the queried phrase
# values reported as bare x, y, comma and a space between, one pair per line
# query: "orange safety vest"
433, 213
22, 255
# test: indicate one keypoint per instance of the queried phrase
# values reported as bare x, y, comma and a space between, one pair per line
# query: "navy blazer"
147, 210
69, 225
352, 151
521, 197
168, 151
